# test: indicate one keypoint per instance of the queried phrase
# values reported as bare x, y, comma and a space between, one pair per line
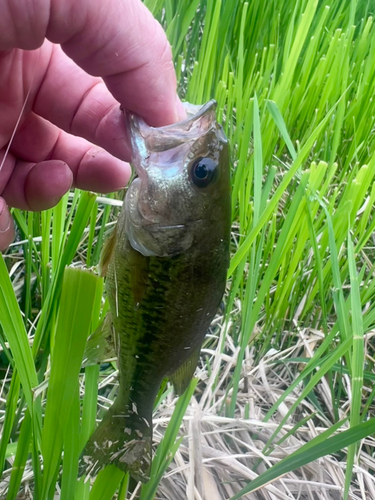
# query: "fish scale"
165, 267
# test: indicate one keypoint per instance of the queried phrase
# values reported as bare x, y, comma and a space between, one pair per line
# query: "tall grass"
294, 83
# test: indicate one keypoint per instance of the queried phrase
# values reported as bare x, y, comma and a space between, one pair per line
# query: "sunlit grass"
294, 83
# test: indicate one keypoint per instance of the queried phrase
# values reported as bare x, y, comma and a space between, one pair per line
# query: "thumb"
6, 226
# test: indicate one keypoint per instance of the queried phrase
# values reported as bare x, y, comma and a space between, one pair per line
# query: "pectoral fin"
107, 252
182, 376
101, 343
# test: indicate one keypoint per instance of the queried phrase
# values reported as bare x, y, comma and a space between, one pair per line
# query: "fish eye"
203, 171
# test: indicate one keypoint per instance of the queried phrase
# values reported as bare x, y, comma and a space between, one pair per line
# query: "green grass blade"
21, 457
14, 331
89, 403
280, 123
72, 451
168, 446
358, 358
10, 414
79, 291
106, 483
258, 160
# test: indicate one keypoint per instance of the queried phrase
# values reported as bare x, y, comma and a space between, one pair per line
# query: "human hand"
51, 55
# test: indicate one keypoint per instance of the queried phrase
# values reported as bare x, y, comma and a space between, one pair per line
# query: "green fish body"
165, 266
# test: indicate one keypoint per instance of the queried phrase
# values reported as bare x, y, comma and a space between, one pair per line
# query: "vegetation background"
285, 387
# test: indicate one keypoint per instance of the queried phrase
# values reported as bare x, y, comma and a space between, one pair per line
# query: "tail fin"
124, 439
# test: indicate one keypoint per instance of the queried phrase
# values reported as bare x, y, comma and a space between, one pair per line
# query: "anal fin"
182, 376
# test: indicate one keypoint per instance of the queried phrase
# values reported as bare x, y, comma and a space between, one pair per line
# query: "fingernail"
180, 110
4, 217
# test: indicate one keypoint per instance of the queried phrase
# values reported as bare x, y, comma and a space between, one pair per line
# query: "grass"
286, 374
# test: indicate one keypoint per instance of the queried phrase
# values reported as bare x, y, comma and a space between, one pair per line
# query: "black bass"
165, 266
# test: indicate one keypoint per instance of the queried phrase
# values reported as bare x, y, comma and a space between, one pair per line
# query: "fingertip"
46, 183
6, 226
101, 172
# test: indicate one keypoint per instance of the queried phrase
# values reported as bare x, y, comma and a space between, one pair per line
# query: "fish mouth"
165, 227
170, 226
162, 240
146, 140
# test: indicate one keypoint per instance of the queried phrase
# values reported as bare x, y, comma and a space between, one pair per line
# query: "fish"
165, 266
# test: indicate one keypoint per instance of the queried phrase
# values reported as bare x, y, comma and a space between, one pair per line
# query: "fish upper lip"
146, 140
192, 117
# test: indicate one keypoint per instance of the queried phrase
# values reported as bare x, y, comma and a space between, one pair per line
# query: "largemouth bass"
165, 267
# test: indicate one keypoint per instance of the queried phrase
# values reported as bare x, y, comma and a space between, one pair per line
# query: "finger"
120, 41
6, 226
124, 44
81, 105
37, 186
92, 168
78, 103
